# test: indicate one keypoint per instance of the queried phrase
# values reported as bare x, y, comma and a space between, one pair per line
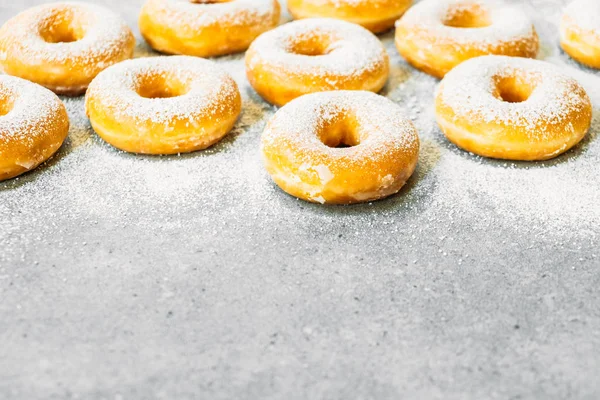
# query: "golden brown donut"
437, 35
63, 46
315, 55
340, 147
33, 125
580, 32
512, 108
375, 15
163, 105
206, 28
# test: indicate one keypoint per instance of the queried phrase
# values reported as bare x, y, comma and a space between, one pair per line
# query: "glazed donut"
33, 125
163, 105
63, 46
375, 15
437, 35
206, 28
512, 108
315, 55
580, 32
340, 147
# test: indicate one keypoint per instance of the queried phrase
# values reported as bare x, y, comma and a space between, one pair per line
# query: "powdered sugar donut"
512, 108
340, 147
163, 105
63, 46
580, 32
206, 28
375, 15
315, 55
33, 125
437, 35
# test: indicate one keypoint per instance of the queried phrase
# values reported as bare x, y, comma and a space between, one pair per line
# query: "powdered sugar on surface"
478, 280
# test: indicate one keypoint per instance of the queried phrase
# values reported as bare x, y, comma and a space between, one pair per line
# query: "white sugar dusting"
196, 15
469, 90
210, 91
509, 24
349, 49
585, 14
106, 36
32, 110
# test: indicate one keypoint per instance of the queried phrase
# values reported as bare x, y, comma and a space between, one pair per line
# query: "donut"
580, 32
434, 36
315, 55
206, 28
33, 125
375, 15
512, 108
163, 105
340, 147
63, 46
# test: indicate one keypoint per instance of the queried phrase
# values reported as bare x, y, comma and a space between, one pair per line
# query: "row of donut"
516, 109
63, 46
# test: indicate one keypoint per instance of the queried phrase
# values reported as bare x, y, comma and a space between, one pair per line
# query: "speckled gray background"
194, 277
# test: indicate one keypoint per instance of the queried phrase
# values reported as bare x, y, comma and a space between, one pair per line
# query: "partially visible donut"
437, 35
163, 105
512, 108
33, 125
375, 15
580, 32
206, 28
63, 46
340, 147
315, 55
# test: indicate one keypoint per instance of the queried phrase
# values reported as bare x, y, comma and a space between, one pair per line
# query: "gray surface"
125, 277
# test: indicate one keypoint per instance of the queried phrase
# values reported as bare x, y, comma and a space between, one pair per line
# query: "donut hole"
514, 89
467, 16
310, 46
61, 27
161, 87
340, 134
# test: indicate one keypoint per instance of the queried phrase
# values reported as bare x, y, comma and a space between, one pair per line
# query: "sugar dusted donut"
340, 147
163, 105
437, 35
512, 108
375, 15
33, 125
206, 28
580, 32
315, 55
63, 46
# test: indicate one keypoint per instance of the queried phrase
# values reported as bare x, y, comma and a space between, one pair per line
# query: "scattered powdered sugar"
508, 24
196, 14
106, 36
470, 91
348, 48
30, 111
223, 193
210, 91
585, 14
